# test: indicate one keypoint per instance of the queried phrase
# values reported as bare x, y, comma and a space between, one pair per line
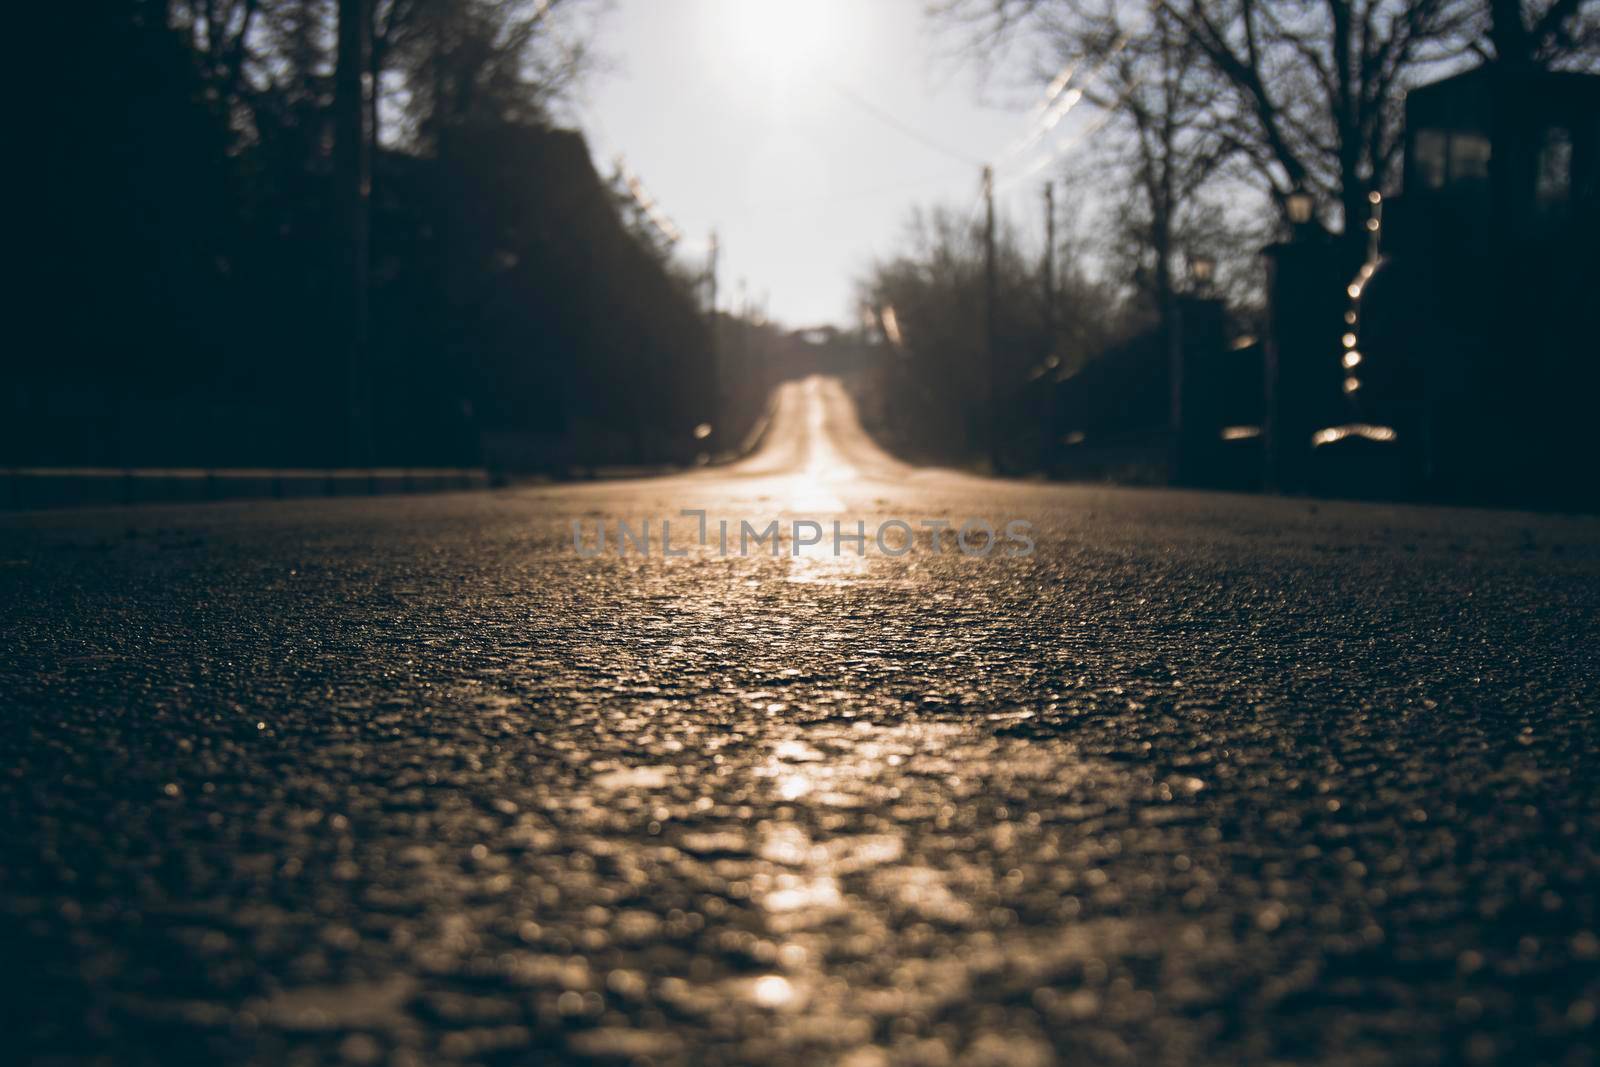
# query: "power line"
1061, 148
1058, 100
850, 195
909, 131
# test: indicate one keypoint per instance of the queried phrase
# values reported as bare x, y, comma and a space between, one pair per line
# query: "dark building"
1477, 327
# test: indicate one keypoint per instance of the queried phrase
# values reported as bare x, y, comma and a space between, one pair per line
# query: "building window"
1555, 168
1469, 157
1428, 158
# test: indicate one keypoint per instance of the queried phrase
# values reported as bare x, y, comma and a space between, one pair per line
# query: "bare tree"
1319, 86
438, 61
1145, 80
1311, 91
353, 169
1164, 139
223, 34
221, 31
463, 60
1541, 33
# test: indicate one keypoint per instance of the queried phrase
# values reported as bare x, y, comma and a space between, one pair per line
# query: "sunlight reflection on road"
858, 872
854, 855
814, 490
817, 564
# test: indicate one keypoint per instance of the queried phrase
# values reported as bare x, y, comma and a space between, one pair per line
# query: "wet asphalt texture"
1207, 779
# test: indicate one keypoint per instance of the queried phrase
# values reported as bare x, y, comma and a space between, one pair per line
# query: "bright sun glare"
776, 39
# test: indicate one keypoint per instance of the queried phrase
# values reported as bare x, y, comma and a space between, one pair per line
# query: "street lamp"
1299, 205
1202, 268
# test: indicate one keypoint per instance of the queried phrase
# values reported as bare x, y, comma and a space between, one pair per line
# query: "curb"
31, 488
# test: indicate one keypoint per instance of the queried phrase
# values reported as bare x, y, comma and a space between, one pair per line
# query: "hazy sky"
766, 120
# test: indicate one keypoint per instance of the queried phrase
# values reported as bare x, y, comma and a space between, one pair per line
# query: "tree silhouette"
200, 249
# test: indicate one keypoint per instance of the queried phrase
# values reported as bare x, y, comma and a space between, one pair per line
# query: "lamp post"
1300, 206
1306, 302
1194, 400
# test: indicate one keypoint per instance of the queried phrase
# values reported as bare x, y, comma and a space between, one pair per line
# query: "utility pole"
1048, 437
990, 287
1050, 267
711, 277
740, 388
711, 332
353, 168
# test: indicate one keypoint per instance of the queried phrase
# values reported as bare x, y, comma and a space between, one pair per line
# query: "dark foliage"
184, 296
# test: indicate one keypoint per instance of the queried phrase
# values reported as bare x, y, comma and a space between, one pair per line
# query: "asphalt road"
1204, 779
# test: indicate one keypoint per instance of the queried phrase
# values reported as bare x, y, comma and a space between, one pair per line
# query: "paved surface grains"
1205, 779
